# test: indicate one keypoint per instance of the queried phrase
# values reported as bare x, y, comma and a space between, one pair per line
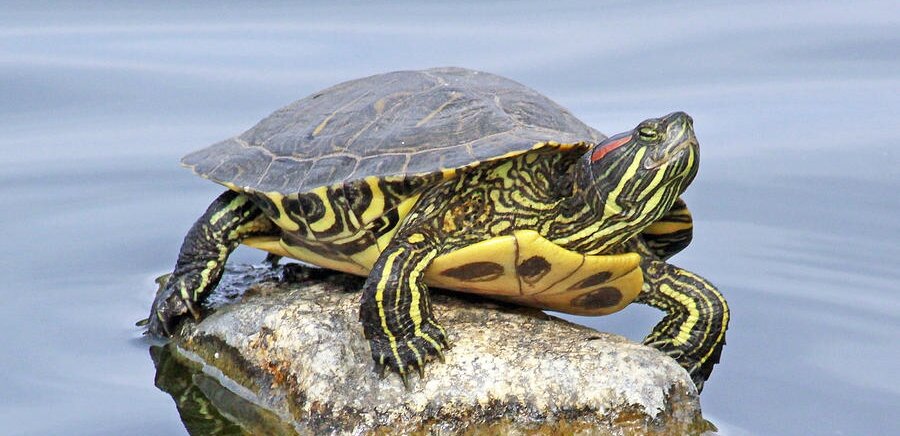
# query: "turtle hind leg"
697, 315
229, 219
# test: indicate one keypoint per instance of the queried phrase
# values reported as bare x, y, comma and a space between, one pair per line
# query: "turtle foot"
699, 369
405, 355
168, 308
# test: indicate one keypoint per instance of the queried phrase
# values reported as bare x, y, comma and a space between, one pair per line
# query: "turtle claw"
678, 355
698, 371
405, 355
192, 309
405, 379
381, 368
161, 282
169, 307
165, 326
698, 382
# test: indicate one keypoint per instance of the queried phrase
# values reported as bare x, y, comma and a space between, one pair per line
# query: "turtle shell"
405, 123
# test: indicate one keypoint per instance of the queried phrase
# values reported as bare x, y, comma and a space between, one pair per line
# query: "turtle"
461, 180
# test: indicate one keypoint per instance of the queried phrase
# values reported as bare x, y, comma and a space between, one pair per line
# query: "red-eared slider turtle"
466, 181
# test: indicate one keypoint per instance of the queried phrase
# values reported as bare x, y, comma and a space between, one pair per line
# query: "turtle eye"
648, 134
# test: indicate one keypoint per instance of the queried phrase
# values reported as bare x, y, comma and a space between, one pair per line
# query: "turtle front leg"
693, 330
229, 219
396, 311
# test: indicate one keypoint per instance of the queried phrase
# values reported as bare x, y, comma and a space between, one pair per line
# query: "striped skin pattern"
231, 218
590, 201
340, 227
628, 187
671, 233
697, 315
498, 197
522, 192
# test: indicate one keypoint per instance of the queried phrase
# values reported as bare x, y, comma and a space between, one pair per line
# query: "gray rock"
297, 350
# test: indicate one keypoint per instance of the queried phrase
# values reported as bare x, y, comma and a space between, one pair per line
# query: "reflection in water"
205, 406
190, 389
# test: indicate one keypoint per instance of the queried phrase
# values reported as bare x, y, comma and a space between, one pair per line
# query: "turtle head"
632, 179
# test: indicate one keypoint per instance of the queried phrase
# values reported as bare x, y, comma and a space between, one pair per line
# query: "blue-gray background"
796, 203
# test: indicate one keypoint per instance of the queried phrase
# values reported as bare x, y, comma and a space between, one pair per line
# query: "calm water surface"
796, 203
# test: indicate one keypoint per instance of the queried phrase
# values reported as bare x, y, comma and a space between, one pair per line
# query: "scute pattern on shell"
395, 124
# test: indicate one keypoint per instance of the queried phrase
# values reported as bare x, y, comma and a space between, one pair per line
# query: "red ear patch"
603, 151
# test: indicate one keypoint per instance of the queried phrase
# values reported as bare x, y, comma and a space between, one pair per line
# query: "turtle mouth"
666, 155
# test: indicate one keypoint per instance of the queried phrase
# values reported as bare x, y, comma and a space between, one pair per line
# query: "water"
796, 202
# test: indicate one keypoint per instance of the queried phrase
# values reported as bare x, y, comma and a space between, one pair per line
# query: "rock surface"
297, 351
